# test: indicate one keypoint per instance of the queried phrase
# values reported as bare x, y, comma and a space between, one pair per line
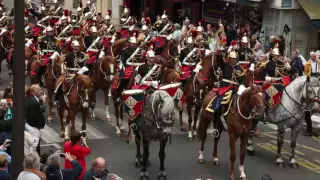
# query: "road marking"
48, 135
296, 151
92, 133
303, 146
317, 160
316, 138
51, 144
302, 162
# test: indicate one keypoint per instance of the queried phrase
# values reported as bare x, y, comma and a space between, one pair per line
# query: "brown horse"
239, 114
74, 100
196, 87
115, 49
6, 43
102, 78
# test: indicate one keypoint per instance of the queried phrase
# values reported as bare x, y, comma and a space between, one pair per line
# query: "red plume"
194, 33
165, 11
245, 33
136, 33
147, 19
76, 32
201, 23
26, 13
126, 4
66, 12
277, 41
43, 3
52, 22
233, 42
109, 12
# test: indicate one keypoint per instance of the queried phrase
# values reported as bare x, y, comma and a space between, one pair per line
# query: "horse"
238, 116
6, 44
74, 100
197, 85
155, 124
30, 57
115, 49
102, 78
300, 95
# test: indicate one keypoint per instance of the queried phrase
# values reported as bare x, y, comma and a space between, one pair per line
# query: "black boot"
57, 96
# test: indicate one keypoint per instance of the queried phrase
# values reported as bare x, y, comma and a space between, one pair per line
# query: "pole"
18, 91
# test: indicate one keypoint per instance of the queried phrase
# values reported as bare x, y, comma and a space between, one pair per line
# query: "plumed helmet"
108, 16
189, 40
133, 39
233, 54
144, 28
164, 15
93, 29
150, 54
126, 9
75, 43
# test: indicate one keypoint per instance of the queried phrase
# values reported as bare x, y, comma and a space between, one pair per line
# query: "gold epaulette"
307, 69
86, 56
263, 65
40, 38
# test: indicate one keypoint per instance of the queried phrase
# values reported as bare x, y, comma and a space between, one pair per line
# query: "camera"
62, 155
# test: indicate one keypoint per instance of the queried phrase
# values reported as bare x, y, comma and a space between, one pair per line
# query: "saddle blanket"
186, 71
128, 72
219, 100
273, 93
105, 41
93, 56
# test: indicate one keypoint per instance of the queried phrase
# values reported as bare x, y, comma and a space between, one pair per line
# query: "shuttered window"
75, 4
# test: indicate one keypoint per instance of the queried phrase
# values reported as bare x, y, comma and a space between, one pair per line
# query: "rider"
94, 45
64, 23
150, 73
244, 50
202, 39
166, 26
107, 27
75, 62
125, 18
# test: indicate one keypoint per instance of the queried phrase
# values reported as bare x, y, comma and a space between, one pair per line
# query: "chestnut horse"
75, 100
196, 87
239, 122
6, 44
102, 79
51, 74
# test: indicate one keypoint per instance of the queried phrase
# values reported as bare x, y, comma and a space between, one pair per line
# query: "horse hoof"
201, 161
137, 163
61, 135
183, 129
118, 134
281, 165
144, 176
216, 163
250, 152
162, 175
123, 131
243, 178
294, 165
108, 119
50, 120
83, 134
190, 138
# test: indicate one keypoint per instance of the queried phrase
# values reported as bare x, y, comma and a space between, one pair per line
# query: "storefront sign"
286, 4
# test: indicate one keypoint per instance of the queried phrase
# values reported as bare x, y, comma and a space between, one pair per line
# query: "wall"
277, 4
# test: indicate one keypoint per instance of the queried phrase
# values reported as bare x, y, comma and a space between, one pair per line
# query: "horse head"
107, 66
255, 100
310, 92
84, 86
163, 110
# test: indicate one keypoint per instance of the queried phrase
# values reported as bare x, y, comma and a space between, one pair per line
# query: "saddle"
66, 83
223, 101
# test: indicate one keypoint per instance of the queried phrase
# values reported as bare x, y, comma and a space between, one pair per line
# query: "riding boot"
57, 96
308, 132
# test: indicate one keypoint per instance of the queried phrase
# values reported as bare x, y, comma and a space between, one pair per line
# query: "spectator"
53, 171
257, 48
296, 65
35, 120
208, 30
4, 175
98, 170
78, 148
177, 32
6, 134
3, 148
29, 143
31, 168
231, 34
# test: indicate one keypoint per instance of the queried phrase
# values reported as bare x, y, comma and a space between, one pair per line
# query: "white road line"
92, 133
315, 119
48, 135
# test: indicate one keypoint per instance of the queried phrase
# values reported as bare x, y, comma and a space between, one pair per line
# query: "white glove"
68, 39
268, 79
251, 67
198, 68
137, 79
278, 79
155, 84
120, 65
241, 89
101, 54
207, 52
111, 77
54, 55
83, 70
113, 39
169, 37
131, 28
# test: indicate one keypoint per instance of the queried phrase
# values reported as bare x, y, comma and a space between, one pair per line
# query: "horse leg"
137, 140
93, 104
294, 134
232, 146
106, 104
50, 103
280, 138
162, 175
67, 122
243, 144
144, 172
216, 140
61, 113
109, 93
189, 109
85, 114
196, 114
250, 145
182, 128
202, 134
116, 110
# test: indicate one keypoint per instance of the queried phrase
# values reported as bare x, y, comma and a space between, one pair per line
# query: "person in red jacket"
78, 148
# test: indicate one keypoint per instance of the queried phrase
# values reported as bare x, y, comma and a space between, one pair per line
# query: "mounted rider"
126, 19
202, 39
75, 63
107, 28
189, 57
244, 52
149, 74
94, 45
65, 27
166, 26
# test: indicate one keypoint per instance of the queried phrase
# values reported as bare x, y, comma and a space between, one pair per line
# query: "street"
182, 155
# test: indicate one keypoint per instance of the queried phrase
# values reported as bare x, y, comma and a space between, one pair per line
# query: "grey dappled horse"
300, 95
155, 124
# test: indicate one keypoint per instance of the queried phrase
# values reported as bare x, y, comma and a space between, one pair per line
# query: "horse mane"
168, 103
120, 41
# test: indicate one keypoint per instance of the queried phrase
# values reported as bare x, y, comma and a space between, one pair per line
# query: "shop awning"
311, 7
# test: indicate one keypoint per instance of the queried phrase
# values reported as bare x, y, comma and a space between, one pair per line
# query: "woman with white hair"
31, 168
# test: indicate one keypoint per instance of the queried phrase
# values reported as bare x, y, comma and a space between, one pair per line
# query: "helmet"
126, 9
88, 2
144, 28
189, 40
275, 51
49, 29
233, 55
150, 54
200, 28
79, 9
244, 39
133, 40
164, 15
55, 1
108, 16
75, 43
93, 29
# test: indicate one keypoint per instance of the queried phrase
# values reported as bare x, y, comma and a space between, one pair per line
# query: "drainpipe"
202, 10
